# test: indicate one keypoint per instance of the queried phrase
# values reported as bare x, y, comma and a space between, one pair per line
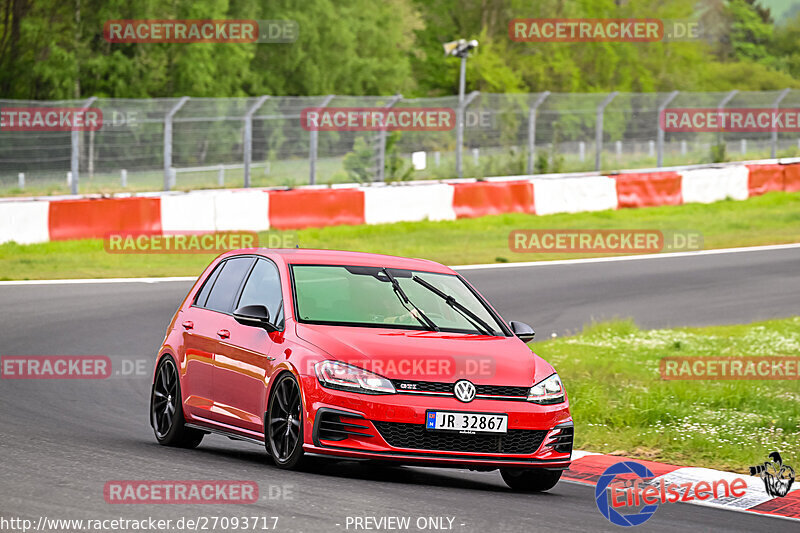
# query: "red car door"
196, 325
211, 327
243, 362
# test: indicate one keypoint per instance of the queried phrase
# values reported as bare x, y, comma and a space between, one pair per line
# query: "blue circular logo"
601, 494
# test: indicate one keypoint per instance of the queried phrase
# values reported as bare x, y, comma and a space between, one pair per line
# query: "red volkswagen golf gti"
362, 356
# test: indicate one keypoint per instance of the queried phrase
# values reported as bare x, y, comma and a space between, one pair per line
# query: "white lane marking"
460, 267
93, 281
629, 257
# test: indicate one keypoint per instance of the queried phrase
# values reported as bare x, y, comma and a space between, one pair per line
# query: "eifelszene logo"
605, 506
778, 477
631, 486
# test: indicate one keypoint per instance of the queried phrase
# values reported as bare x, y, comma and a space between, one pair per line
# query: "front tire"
284, 423
531, 479
166, 409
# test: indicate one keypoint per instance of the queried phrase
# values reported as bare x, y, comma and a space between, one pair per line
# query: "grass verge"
770, 219
621, 405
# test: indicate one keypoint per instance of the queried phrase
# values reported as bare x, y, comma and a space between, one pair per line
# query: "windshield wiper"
417, 313
473, 319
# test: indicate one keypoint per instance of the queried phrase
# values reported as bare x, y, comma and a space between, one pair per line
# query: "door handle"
188, 324
224, 333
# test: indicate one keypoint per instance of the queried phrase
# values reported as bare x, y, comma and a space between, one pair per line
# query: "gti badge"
464, 390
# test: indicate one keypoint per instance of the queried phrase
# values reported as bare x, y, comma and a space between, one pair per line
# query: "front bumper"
392, 428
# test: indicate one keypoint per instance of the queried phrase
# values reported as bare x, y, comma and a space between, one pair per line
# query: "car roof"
304, 256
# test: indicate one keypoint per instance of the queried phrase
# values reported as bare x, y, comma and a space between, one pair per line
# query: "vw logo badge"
464, 390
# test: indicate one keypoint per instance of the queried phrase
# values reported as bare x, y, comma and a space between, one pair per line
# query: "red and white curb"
31, 220
587, 467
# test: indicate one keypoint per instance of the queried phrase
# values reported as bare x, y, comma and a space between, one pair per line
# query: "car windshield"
366, 296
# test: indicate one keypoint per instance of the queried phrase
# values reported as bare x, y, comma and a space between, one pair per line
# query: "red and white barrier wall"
61, 218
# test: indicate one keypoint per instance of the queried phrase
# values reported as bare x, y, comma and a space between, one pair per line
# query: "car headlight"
548, 391
341, 376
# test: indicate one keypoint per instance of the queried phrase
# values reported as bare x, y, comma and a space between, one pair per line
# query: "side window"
202, 296
227, 285
263, 287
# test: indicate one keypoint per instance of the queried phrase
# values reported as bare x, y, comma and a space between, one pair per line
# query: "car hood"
429, 356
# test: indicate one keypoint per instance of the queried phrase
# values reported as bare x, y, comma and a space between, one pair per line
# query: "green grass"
620, 404
770, 219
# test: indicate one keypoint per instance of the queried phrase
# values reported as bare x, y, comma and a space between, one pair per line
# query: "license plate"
466, 422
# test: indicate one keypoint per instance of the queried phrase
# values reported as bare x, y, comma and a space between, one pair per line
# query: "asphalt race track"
62, 440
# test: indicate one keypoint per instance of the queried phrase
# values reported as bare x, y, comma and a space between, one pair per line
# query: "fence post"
123, 178
381, 175
532, 129
775, 104
168, 140
90, 162
728, 97
660, 157
248, 138
460, 131
312, 148
599, 128
21, 177
75, 157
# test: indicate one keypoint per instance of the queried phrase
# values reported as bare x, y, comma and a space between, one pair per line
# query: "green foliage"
397, 168
551, 162
719, 153
360, 161
56, 50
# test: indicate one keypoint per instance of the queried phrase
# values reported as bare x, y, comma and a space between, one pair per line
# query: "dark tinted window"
227, 285
202, 296
263, 287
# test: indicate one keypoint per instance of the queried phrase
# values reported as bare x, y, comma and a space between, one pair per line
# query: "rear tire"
166, 409
283, 428
531, 479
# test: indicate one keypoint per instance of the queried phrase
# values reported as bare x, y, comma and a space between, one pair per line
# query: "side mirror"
522, 330
256, 316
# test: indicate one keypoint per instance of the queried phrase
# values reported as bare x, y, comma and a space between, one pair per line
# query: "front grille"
440, 387
500, 390
416, 437
422, 386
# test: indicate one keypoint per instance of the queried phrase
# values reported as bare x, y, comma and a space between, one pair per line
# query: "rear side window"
263, 287
227, 284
